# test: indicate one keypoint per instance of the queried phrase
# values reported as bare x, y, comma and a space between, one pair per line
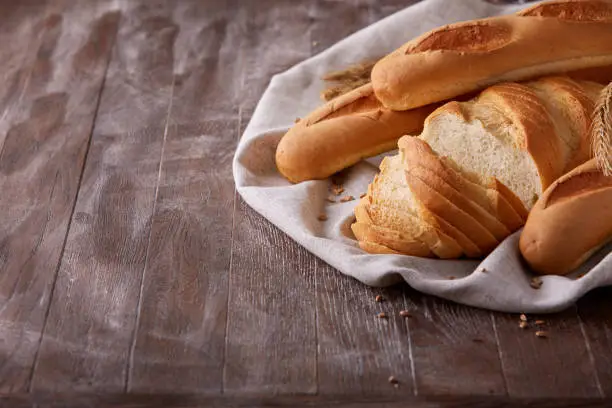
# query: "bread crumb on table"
322, 217
347, 199
536, 283
405, 313
541, 333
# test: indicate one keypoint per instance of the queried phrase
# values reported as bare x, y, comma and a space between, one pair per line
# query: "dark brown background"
129, 264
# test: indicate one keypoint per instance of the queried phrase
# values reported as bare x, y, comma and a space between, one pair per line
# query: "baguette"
571, 221
343, 132
548, 38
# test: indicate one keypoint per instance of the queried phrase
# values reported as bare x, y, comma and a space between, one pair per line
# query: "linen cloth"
499, 282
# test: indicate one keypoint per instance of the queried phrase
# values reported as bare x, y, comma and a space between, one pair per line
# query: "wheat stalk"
347, 79
601, 131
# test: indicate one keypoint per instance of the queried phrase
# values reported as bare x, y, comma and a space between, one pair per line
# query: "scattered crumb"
315, 43
523, 317
541, 333
451, 278
382, 315
484, 270
297, 120
393, 380
396, 385
347, 199
379, 298
540, 322
405, 313
322, 217
362, 195
523, 325
330, 199
536, 283
337, 190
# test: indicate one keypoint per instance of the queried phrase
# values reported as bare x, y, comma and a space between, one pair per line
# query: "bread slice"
504, 133
390, 204
484, 193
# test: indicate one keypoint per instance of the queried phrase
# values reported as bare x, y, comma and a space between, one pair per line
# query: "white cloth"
505, 286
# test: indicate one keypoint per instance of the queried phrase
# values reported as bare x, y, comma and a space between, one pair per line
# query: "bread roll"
548, 38
571, 221
341, 133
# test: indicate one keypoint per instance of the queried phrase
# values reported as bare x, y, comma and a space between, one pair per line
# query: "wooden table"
132, 273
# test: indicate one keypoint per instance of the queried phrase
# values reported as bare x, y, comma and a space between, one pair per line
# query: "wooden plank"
45, 132
357, 350
556, 366
92, 316
596, 323
270, 344
270, 341
454, 348
181, 334
193, 401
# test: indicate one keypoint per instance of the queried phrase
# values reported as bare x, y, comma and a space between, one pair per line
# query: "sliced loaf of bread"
469, 180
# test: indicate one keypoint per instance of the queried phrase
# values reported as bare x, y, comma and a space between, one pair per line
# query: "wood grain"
556, 366
181, 335
72, 400
92, 316
45, 133
357, 350
271, 335
596, 323
454, 348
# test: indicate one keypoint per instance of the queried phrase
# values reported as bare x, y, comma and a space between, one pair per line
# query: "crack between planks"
499, 352
415, 387
130, 359
312, 12
590, 351
74, 202
231, 262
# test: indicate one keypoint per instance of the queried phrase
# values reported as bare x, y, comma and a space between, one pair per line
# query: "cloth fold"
499, 282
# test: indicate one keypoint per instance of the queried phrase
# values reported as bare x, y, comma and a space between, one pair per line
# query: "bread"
341, 133
549, 38
480, 165
571, 221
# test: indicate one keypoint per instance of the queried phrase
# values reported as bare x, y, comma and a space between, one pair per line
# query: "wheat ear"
601, 131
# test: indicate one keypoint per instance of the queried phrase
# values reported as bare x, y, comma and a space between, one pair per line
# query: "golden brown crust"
445, 209
507, 48
341, 133
576, 108
391, 239
571, 221
527, 112
572, 10
470, 249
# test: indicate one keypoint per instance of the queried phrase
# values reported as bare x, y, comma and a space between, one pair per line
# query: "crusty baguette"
341, 133
549, 38
571, 220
